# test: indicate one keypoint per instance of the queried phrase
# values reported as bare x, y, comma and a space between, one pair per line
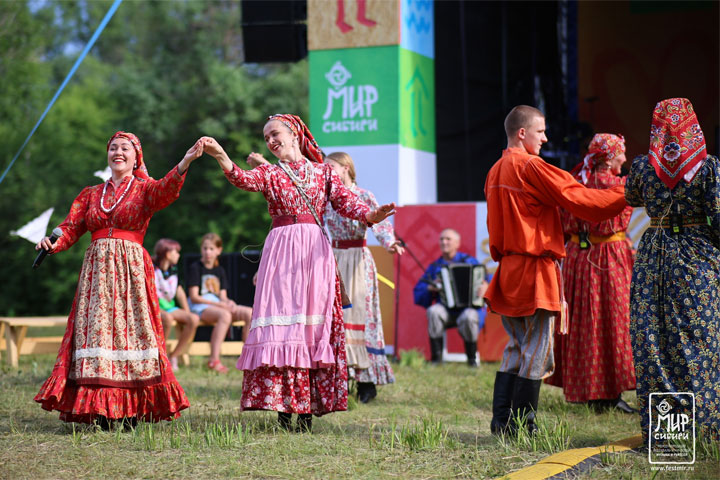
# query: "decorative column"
372, 92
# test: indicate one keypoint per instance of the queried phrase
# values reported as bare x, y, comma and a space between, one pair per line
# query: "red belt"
132, 235
285, 220
343, 244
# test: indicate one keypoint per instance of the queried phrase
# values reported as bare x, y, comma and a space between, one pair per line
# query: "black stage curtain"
491, 56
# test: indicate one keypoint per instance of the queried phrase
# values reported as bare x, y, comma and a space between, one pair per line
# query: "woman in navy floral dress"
675, 298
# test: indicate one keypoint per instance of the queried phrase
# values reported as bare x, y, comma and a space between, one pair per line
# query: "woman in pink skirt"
294, 358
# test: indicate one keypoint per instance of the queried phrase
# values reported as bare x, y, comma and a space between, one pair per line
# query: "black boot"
526, 393
285, 420
103, 422
366, 391
304, 423
128, 423
436, 350
471, 352
621, 405
502, 402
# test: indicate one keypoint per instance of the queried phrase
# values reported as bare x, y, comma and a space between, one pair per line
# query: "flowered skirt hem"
84, 403
379, 373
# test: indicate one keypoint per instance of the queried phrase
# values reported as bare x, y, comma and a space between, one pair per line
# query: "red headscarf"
308, 145
139, 169
677, 144
603, 148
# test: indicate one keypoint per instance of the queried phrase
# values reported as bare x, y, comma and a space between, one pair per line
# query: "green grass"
432, 423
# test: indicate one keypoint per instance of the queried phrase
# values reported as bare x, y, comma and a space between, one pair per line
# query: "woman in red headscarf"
675, 295
593, 361
112, 363
294, 357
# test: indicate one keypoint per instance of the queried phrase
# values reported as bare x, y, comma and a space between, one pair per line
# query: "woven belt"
599, 238
132, 235
285, 220
344, 244
689, 221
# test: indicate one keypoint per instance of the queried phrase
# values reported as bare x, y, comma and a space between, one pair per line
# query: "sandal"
217, 366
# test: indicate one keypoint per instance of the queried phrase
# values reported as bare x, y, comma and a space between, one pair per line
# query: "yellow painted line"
560, 462
386, 281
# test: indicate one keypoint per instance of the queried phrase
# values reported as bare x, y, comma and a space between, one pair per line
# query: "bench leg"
14, 337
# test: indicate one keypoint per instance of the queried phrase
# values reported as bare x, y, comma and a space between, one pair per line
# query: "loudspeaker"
274, 31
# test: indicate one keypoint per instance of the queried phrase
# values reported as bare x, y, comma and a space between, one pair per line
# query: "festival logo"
671, 429
354, 96
355, 102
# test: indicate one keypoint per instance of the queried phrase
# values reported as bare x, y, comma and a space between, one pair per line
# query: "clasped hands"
212, 147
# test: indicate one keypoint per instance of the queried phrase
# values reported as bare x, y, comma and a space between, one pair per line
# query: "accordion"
460, 283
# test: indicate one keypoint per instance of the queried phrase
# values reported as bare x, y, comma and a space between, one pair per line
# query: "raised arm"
250, 180
163, 192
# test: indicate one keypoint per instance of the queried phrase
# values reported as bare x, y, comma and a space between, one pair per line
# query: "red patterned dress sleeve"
161, 193
74, 225
254, 180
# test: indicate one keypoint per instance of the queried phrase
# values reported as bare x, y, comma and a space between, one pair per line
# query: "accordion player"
460, 285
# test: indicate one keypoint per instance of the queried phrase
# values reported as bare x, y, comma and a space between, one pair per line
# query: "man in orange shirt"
526, 239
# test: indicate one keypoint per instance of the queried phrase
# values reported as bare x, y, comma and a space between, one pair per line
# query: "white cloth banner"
104, 174
36, 229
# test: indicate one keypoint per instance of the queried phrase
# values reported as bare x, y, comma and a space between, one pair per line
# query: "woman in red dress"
594, 361
112, 363
294, 358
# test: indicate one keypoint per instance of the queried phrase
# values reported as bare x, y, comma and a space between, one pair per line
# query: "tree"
167, 71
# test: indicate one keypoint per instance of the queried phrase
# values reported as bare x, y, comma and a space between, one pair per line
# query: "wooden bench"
16, 343
203, 348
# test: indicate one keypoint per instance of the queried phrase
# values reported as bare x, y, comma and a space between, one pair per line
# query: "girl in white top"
171, 296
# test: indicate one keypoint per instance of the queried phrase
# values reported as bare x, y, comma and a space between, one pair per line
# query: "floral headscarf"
139, 170
603, 148
308, 145
677, 144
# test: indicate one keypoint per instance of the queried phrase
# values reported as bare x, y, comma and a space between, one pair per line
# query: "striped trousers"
529, 352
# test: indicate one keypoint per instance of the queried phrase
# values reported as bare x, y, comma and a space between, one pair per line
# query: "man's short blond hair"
520, 117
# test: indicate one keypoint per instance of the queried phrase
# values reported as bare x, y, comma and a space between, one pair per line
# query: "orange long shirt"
523, 194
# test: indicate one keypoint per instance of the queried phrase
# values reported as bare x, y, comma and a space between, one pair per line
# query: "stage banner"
372, 96
418, 27
419, 226
354, 96
417, 101
334, 24
372, 92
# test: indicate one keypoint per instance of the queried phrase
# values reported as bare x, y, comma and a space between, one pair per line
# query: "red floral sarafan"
677, 144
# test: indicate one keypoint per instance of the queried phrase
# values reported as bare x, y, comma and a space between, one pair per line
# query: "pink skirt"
293, 306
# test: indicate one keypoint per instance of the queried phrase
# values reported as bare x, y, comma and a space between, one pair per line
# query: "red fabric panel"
420, 226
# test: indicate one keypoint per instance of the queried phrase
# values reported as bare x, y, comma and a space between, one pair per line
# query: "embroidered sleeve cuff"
233, 173
177, 174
